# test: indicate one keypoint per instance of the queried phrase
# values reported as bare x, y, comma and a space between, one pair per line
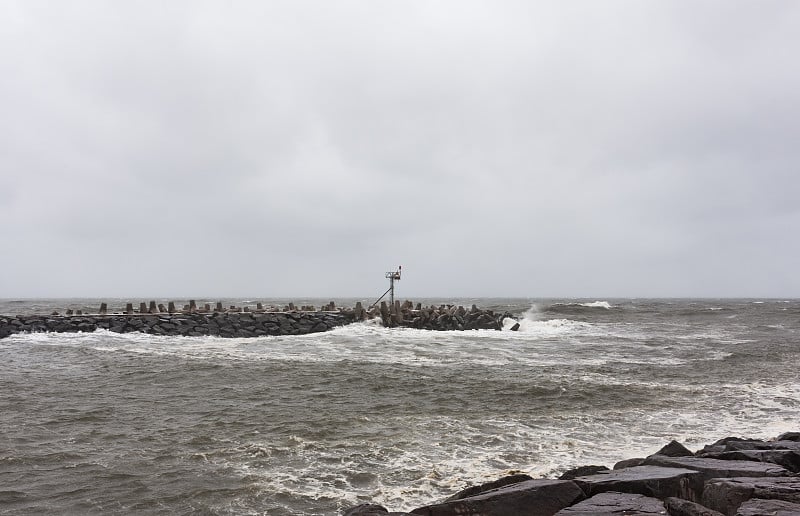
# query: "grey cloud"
628, 148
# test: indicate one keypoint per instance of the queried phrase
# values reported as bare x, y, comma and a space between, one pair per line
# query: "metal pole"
391, 292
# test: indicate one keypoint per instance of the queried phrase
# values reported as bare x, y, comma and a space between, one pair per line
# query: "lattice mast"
392, 276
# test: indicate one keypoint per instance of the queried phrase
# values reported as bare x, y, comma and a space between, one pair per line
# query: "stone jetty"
442, 317
249, 321
731, 477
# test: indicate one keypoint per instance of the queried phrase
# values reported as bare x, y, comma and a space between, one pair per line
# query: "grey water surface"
105, 423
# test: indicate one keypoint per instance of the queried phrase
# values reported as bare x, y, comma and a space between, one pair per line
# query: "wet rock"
788, 459
762, 445
474, 490
680, 507
722, 445
366, 509
369, 509
656, 481
727, 494
674, 449
629, 463
582, 471
716, 468
615, 504
531, 497
768, 508
789, 436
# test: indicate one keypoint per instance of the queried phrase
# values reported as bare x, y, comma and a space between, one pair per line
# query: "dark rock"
675, 449
615, 504
789, 436
761, 445
582, 471
788, 459
366, 509
727, 494
504, 481
768, 508
721, 445
680, 507
658, 482
515, 327
716, 468
629, 463
531, 497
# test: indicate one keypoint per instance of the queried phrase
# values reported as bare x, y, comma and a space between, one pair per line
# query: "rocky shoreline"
194, 321
731, 477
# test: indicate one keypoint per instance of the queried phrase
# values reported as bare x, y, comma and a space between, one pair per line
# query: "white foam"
531, 324
548, 328
597, 304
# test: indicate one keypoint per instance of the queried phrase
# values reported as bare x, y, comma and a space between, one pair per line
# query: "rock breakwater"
257, 321
732, 477
192, 324
442, 317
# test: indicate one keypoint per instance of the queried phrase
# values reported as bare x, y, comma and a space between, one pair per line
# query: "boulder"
762, 445
722, 445
532, 497
716, 468
366, 509
789, 436
727, 494
681, 507
656, 481
612, 503
768, 508
582, 471
501, 482
674, 449
629, 463
788, 459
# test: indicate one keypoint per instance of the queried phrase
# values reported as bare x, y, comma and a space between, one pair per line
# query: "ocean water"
104, 423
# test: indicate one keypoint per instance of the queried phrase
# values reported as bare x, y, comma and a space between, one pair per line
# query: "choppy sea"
104, 423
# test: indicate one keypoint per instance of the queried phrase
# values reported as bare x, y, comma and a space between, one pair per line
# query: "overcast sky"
304, 148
